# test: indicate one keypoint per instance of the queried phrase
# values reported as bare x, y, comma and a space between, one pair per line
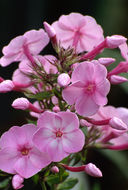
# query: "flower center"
90, 88
59, 134
24, 151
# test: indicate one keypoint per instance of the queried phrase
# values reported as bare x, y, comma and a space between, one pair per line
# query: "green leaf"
40, 96
68, 184
35, 178
4, 183
56, 178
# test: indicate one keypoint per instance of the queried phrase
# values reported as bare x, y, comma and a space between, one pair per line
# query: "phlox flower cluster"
66, 95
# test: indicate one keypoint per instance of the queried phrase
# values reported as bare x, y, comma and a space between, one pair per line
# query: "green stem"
43, 185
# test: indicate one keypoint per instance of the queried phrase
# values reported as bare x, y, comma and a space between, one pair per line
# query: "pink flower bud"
115, 40
115, 79
92, 170
106, 61
54, 169
56, 109
117, 123
54, 100
21, 103
50, 30
63, 80
84, 123
17, 181
6, 86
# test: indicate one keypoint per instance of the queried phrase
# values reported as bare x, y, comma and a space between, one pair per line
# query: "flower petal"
8, 158
73, 141
72, 92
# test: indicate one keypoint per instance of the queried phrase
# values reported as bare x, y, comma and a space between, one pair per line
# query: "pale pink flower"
112, 129
18, 155
22, 47
89, 88
121, 142
58, 134
78, 31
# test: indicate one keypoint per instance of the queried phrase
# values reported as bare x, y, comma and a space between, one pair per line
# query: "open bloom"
78, 31
18, 155
88, 89
22, 47
108, 132
58, 134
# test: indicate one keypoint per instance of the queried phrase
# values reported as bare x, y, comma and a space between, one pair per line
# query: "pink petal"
43, 137
72, 92
55, 150
20, 78
71, 21
99, 99
103, 87
47, 120
25, 168
70, 121
84, 72
39, 159
85, 106
100, 73
15, 46
8, 158
36, 40
25, 67
73, 141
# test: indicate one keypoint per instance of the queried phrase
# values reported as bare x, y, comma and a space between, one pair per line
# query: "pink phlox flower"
89, 88
121, 141
32, 42
78, 31
58, 134
18, 155
107, 132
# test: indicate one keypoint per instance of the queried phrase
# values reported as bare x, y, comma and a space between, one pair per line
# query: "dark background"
18, 16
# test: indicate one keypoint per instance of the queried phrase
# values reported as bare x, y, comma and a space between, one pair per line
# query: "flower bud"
50, 30
17, 181
6, 86
117, 123
54, 169
56, 109
115, 40
115, 79
21, 103
92, 170
63, 80
84, 123
106, 61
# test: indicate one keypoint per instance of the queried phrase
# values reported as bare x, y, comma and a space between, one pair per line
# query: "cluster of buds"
70, 92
